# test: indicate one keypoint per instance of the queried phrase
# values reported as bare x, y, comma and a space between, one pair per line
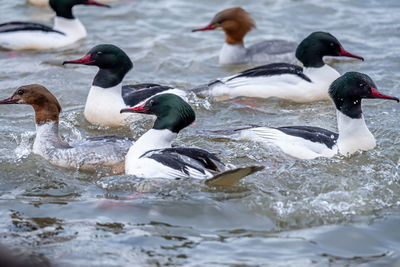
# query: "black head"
63, 8
317, 45
112, 61
348, 90
172, 112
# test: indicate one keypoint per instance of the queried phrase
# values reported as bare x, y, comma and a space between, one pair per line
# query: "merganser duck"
107, 96
286, 81
153, 157
236, 23
88, 154
33, 36
306, 142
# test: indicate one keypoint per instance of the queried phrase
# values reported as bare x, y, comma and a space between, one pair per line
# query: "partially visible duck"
45, 3
286, 81
236, 23
306, 142
107, 96
88, 154
152, 155
67, 29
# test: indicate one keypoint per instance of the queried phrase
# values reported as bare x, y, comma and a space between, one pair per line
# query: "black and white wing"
187, 162
16, 26
135, 94
313, 134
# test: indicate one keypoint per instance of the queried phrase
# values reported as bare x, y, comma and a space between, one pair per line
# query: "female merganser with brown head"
286, 81
107, 96
236, 23
33, 36
88, 154
153, 157
307, 142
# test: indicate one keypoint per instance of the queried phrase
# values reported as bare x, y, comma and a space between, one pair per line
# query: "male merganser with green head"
153, 157
33, 36
307, 142
107, 96
87, 154
236, 23
286, 81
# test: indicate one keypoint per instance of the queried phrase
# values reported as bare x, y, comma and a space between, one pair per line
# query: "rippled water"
326, 211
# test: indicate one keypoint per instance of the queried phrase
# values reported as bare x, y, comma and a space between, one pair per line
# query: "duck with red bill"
308, 142
154, 157
90, 154
290, 82
108, 95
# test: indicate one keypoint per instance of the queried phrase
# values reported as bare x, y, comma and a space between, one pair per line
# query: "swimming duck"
307, 142
286, 81
152, 155
236, 23
67, 29
107, 96
87, 154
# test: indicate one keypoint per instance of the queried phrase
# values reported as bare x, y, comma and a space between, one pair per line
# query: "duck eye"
361, 85
20, 91
99, 53
220, 21
332, 44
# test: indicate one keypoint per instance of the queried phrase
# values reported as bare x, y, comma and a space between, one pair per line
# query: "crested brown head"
43, 102
236, 23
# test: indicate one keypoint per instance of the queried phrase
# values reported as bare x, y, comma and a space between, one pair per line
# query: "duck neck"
308, 56
108, 78
353, 134
70, 26
152, 139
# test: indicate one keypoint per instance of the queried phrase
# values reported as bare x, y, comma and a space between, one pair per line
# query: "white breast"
39, 40
353, 135
286, 86
103, 106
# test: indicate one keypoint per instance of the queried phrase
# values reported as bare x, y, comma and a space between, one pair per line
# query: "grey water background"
338, 211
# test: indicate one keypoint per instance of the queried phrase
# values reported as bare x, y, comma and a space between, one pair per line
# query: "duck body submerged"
307, 142
152, 156
280, 80
283, 80
88, 154
236, 23
107, 96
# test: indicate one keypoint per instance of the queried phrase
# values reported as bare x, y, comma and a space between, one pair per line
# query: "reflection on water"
325, 211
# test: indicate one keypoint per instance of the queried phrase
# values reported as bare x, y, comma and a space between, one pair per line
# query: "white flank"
292, 145
286, 86
38, 40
